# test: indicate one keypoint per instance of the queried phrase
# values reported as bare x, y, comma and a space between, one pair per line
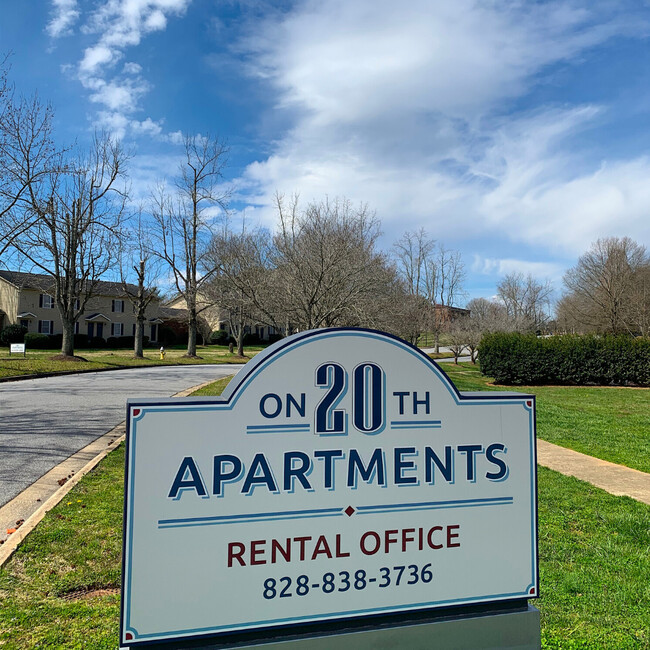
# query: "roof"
172, 313
45, 283
96, 316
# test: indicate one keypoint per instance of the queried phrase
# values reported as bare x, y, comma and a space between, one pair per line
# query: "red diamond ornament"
349, 511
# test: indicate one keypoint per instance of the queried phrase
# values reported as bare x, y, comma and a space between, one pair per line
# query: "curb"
14, 540
8, 548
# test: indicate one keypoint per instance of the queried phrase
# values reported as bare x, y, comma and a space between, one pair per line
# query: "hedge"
525, 359
34, 341
12, 334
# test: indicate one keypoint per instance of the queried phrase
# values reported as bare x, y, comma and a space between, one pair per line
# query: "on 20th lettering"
309, 548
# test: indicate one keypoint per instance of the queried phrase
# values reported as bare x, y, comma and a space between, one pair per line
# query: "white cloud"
119, 95
176, 137
132, 68
96, 57
501, 267
399, 105
64, 15
147, 126
568, 215
119, 25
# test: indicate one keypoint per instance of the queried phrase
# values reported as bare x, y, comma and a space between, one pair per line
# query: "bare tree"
187, 220
639, 306
413, 253
484, 316
29, 160
607, 289
136, 257
446, 279
204, 328
326, 262
527, 301
243, 283
75, 214
434, 273
457, 335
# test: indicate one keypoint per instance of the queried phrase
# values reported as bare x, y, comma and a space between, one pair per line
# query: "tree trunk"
139, 335
191, 334
67, 345
240, 338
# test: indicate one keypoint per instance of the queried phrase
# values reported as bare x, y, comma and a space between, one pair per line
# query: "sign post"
341, 482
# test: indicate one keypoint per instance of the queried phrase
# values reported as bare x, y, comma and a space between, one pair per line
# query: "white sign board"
341, 475
17, 348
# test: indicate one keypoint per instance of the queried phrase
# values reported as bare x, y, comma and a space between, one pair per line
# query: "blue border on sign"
228, 400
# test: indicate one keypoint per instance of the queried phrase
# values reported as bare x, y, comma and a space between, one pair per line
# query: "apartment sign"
340, 476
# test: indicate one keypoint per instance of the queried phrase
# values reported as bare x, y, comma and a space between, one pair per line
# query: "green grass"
594, 565
594, 561
428, 340
76, 548
611, 423
39, 361
214, 389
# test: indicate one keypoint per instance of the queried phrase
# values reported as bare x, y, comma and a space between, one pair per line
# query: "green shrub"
12, 334
568, 360
56, 340
251, 338
80, 341
220, 337
97, 342
34, 341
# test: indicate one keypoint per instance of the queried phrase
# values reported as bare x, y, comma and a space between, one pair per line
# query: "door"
91, 330
100, 330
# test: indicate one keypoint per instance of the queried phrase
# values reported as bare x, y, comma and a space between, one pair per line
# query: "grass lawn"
39, 361
60, 589
608, 422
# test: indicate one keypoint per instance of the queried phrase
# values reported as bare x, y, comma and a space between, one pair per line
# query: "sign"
341, 475
17, 348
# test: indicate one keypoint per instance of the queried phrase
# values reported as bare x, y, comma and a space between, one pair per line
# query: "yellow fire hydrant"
162, 354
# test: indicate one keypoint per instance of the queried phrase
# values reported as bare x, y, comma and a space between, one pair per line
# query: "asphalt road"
44, 421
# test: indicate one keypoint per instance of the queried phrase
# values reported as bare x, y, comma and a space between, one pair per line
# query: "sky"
514, 132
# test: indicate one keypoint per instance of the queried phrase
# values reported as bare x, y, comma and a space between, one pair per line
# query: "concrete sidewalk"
615, 479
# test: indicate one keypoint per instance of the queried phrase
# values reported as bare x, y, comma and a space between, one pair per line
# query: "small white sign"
16, 348
341, 475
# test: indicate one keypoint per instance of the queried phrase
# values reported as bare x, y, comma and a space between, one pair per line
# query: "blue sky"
515, 132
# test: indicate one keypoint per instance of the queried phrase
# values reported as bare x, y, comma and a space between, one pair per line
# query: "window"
45, 301
118, 306
46, 327
154, 333
117, 329
76, 304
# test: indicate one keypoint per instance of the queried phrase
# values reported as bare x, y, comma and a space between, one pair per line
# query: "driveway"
44, 421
